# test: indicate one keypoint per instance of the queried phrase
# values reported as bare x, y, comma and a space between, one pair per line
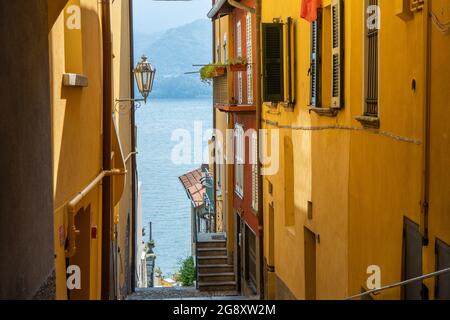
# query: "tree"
187, 274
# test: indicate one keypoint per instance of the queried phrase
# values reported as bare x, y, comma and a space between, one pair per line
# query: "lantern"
145, 76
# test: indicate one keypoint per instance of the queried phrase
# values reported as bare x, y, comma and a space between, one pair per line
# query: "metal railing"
401, 284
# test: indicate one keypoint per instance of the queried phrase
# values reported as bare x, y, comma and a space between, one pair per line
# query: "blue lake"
164, 200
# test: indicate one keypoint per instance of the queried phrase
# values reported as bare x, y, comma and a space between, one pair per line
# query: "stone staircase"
214, 272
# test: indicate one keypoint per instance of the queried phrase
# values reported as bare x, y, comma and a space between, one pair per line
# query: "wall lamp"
144, 74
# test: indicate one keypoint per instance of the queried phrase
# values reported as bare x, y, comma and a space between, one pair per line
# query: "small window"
273, 80
371, 65
255, 177
239, 160
249, 37
316, 61
337, 20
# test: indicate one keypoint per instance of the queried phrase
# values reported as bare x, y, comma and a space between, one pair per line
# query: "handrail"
72, 206
401, 284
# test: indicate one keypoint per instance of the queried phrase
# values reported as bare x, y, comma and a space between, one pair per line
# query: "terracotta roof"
191, 182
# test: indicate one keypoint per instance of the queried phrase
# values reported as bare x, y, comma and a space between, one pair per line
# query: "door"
238, 264
82, 258
442, 262
310, 264
412, 260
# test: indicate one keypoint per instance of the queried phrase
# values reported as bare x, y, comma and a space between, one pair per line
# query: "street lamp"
144, 74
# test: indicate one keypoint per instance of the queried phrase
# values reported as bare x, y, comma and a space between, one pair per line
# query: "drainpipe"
107, 149
258, 128
426, 127
214, 126
134, 231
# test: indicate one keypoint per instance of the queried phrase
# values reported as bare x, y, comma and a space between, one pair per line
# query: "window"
249, 58
273, 80
219, 58
412, 260
327, 57
255, 177
337, 16
442, 262
239, 160
225, 48
239, 53
371, 65
316, 61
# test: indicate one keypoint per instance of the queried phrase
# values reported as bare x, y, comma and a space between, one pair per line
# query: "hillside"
173, 52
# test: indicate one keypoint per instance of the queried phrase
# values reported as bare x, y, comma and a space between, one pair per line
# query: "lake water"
164, 200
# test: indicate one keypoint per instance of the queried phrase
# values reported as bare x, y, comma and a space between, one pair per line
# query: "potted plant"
237, 64
211, 71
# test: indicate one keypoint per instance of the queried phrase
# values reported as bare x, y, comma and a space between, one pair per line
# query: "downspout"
258, 128
214, 126
133, 163
107, 149
427, 110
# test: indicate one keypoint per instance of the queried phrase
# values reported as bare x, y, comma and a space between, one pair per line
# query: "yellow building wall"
361, 182
76, 123
322, 181
386, 174
120, 21
76, 47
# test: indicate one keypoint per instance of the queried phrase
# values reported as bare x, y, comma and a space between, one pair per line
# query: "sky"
153, 16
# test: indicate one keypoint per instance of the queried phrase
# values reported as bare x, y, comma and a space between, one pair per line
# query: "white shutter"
337, 21
239, 163
249, 32
239, 38
240, 88
255, 182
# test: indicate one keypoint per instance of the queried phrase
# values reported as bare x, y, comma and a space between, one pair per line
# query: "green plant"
188, 273
209, 71
237, 61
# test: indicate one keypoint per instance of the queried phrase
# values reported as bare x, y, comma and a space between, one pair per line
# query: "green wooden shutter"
316, 61
337, 90
273, 79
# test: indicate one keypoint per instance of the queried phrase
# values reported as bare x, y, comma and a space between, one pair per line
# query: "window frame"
366, 53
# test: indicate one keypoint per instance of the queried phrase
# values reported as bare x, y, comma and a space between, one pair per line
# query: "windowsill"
369, 122
288, 106
325, 112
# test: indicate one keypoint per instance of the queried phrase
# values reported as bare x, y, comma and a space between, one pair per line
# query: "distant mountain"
173, 52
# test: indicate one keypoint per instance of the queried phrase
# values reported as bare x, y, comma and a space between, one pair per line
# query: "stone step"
212, 244
210, 252
217, 286
215, 268
212, 260
217, 277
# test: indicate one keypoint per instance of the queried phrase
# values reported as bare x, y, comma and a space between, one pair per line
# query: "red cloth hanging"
309, 9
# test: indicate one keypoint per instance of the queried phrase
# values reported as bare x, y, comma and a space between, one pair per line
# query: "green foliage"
188, 273
209, 71
236, 61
